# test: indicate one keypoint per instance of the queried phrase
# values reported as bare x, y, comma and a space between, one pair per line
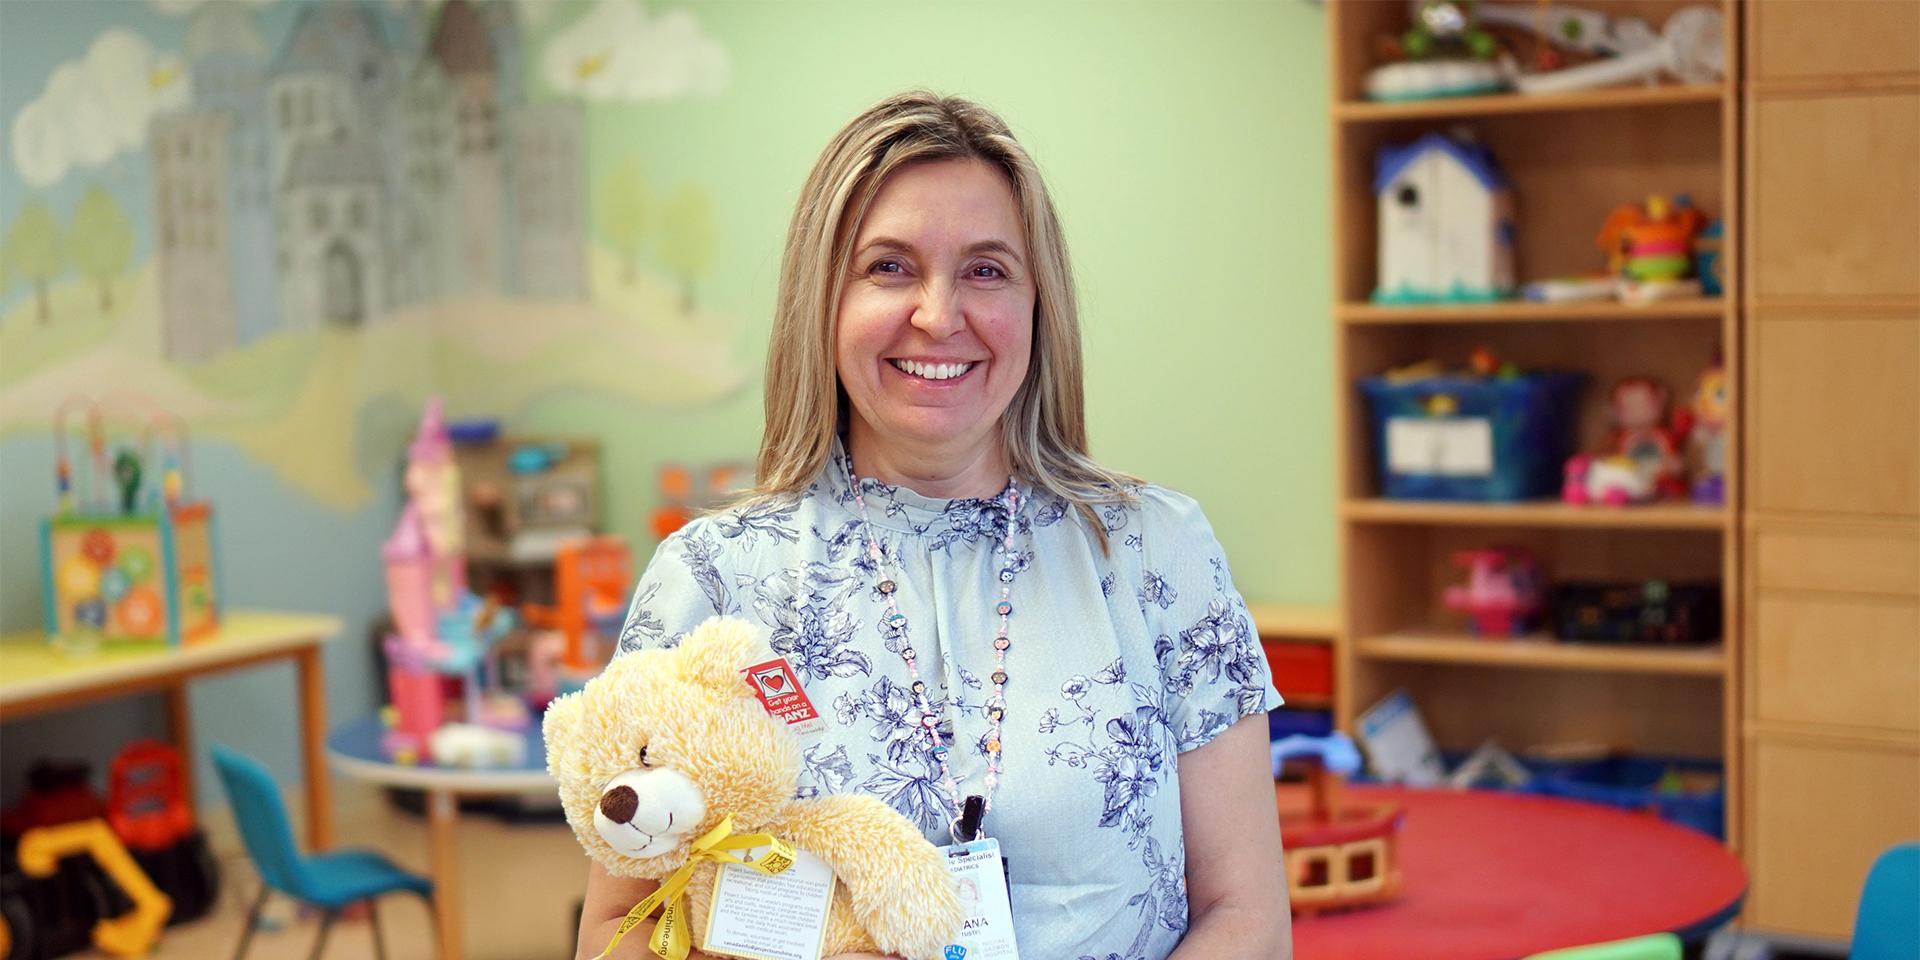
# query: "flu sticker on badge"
778, 689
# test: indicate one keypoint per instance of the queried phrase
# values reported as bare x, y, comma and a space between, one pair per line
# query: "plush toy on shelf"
1502, 592
677, 737
1643, 463
133, 561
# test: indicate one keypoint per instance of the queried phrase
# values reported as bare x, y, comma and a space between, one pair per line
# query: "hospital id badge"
987, 931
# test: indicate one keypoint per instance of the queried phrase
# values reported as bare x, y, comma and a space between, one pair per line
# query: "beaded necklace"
968, 811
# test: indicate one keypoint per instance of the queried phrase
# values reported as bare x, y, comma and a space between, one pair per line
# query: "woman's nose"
939, 313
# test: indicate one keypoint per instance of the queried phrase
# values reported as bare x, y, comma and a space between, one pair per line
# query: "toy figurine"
1704, 424
1502, 592
1643, 464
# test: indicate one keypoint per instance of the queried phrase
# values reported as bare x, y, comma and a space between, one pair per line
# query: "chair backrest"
1887, 926
262, 820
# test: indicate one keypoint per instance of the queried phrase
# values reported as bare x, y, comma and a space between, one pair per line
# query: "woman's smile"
935, 373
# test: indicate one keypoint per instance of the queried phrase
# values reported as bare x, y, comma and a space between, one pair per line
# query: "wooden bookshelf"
1570, 159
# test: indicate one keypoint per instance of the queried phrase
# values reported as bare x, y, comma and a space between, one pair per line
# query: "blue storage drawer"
1457, 437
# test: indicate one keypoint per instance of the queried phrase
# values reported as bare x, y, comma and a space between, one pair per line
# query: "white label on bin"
1452, 447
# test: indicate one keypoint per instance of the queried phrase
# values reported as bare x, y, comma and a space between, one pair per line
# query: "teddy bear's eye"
643, 757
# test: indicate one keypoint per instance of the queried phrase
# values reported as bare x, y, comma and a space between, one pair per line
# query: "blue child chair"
330, 882
1888, 925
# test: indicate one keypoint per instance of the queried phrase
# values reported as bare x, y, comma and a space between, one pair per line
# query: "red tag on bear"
778, 690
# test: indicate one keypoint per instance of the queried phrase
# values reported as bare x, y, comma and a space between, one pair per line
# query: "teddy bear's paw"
917, 916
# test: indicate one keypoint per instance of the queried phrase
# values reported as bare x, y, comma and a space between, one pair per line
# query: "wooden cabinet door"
1835, 414
1836, 196
1821, 811
1800, 40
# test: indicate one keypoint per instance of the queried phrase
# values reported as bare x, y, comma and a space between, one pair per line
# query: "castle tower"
462, 48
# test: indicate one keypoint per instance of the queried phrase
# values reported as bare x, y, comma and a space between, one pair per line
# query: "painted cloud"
96, 107
618, 52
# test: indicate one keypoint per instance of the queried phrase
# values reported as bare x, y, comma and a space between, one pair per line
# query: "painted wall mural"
310, 207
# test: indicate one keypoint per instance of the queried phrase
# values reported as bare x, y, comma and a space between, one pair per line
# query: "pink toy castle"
440, 629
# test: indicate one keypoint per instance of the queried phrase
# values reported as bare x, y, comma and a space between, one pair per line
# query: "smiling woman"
1018, 645
936, 327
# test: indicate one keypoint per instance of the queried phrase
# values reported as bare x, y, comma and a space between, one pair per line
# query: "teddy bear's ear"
560, 723
716, 651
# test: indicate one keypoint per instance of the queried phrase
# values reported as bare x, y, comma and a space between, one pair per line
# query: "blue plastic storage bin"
1473, 438
1286, 721
1633, 783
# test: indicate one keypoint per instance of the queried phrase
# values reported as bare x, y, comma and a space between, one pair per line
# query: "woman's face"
936, 320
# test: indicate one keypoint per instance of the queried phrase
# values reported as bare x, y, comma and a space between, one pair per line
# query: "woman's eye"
987, 271
887, 266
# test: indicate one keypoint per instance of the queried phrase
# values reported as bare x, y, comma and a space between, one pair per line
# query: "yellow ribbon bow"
670, 938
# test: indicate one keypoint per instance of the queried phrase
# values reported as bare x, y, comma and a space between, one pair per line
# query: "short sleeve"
678, 591
1212, 669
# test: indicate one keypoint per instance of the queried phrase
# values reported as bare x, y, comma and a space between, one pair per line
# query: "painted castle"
354, 175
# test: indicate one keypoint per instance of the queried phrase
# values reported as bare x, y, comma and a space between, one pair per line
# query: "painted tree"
102, 241
687, 237
33, 252
624, 211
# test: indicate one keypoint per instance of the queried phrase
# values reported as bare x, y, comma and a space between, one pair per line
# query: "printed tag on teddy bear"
987, 931
778, 690
779, 917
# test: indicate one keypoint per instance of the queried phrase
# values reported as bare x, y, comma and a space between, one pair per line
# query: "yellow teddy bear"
667, 747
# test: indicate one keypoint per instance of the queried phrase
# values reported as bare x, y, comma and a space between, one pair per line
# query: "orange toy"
591, 578
1654, 242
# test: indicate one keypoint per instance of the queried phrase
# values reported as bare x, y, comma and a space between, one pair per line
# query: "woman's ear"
716, 651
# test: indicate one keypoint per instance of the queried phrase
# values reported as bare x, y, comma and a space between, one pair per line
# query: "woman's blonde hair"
1044, 426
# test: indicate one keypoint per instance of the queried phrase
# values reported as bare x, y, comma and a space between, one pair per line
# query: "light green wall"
1185, 143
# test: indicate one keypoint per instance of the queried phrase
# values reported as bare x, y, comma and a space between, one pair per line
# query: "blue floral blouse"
1119, 663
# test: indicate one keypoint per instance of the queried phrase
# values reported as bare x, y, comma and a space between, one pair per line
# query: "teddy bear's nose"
619, 803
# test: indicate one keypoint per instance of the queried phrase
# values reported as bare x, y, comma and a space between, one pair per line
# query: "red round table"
1488, 875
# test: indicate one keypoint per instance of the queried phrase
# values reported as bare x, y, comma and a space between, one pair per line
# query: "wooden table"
355, 752
35, 678
1489, 875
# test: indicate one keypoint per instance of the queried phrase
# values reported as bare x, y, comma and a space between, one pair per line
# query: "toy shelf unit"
127, 557
1520, 276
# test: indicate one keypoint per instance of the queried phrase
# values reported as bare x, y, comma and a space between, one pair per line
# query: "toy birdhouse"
1445, 223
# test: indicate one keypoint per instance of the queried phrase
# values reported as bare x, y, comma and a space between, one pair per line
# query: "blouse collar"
900, 509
